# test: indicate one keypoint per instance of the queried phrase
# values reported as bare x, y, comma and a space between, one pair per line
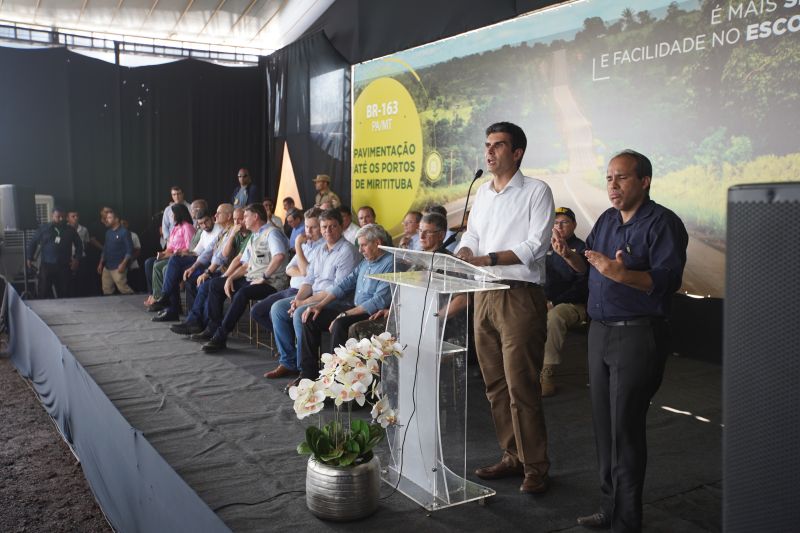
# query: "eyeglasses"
562, 222
428, 233
243, 176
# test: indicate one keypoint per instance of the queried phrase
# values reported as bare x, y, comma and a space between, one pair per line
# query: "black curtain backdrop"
365, 29
308, 94
91, 133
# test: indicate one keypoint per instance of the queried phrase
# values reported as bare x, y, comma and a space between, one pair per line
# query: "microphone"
452, 238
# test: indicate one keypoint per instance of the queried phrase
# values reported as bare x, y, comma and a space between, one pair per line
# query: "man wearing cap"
324, 193
246, 192
566, 291
636, 254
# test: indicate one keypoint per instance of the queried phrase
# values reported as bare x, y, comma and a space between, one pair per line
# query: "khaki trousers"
559, 319
510, 329
112, 278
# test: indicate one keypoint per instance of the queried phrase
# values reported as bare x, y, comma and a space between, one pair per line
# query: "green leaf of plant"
347, 459
329, 457
351, 446
304, 449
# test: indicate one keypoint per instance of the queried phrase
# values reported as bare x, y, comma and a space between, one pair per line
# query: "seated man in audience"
366, 215
324, 193
442, 211
352, 300
350, 227
61, 250
332, 261
432, 228
288, 205
227, 252
410, 237
295, 220
269, 207
567, 292
187, 266
305, 247
117, 252
261, 272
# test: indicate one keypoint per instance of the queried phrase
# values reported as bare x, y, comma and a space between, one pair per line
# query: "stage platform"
231, 435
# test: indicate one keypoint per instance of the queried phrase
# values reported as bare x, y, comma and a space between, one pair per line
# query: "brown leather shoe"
595, 521
535, 484
500, 470
281, 372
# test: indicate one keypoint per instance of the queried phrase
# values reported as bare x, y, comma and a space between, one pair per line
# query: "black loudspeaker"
761, 360
18, 207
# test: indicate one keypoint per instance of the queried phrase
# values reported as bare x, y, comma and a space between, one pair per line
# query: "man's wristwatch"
341, 315
492, 259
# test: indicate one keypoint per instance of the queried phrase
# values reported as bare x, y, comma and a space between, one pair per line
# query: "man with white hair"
352, 300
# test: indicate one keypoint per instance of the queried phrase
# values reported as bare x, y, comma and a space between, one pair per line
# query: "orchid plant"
349, 374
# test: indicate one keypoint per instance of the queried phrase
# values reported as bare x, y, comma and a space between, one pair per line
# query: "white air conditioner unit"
44, 208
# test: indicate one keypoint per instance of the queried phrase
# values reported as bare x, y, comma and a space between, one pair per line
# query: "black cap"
567, 212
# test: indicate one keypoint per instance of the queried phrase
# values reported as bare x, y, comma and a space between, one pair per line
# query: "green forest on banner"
709, 90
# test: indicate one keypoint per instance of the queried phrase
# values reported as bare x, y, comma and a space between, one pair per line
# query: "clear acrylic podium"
426, 458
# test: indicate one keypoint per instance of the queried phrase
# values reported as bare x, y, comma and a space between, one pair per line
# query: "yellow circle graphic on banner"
434, 164
387, 151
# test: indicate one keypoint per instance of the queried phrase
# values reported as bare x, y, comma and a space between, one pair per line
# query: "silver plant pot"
343, 493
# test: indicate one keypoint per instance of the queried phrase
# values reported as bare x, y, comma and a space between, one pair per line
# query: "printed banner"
709, 90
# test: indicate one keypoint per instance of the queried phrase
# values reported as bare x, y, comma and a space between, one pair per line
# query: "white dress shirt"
518, 218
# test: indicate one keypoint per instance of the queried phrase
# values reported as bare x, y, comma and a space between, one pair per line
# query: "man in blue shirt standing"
61, 250
117, 253
352, 300
636, 253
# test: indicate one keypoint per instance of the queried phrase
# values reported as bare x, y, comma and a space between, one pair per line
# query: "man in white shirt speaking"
509, 233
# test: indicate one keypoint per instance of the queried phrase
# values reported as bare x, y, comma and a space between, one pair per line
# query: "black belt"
641, 321
517, 283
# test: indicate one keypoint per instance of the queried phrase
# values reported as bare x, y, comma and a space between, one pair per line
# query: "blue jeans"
288, 330
260, 311
173, 275
197, 315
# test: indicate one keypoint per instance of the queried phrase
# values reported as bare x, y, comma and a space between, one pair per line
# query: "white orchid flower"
387, 418
379, 408
308, 398
349, 387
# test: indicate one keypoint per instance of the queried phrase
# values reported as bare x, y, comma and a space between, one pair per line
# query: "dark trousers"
54, 276
199, 297
173, 275
626, 364
244, 292
260, 311
312, 337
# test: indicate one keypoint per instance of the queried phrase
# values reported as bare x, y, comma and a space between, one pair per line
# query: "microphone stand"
452, 237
